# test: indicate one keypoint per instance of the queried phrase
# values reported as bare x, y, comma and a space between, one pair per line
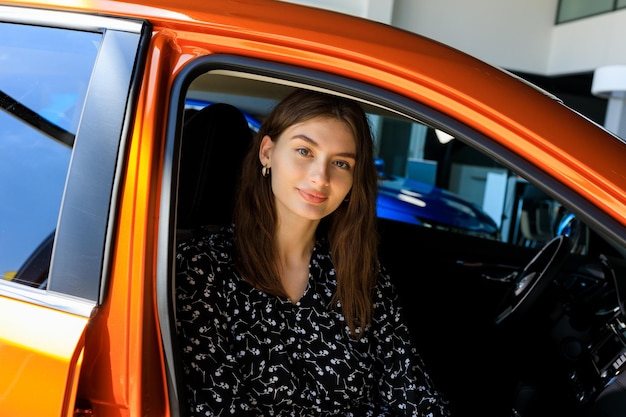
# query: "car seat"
214, 142
537, 217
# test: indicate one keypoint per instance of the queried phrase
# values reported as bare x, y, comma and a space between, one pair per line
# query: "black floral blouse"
248, 353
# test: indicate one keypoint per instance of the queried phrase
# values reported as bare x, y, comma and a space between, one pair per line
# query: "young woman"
288, 312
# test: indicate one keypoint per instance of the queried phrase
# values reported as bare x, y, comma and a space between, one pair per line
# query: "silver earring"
265, 171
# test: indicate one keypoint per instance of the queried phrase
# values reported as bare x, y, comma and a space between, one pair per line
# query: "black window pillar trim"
79, 256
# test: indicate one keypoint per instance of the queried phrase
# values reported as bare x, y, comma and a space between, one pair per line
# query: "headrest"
215, 140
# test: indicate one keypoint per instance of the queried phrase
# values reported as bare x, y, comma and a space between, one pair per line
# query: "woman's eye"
303, 151
342, 164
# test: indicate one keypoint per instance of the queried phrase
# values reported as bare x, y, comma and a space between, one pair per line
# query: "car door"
65, 80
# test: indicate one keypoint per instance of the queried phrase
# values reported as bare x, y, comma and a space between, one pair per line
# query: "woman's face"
312, 166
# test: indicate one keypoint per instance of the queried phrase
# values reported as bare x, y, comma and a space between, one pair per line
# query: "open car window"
428, 177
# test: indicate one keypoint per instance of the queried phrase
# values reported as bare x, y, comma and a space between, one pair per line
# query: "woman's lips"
313, 196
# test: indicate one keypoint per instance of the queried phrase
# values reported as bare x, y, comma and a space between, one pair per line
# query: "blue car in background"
415, 202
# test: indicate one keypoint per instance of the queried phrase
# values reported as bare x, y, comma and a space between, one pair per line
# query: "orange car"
98, 183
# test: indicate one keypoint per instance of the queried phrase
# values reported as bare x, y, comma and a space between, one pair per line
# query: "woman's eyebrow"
315, 144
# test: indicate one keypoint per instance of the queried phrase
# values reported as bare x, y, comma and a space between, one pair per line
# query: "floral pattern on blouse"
248, 353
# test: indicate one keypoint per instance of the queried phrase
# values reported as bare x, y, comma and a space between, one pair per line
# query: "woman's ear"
265, 150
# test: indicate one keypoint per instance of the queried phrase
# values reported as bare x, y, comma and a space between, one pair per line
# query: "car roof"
486, 98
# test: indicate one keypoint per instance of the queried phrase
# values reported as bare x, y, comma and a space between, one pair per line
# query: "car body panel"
124, 368
41, 353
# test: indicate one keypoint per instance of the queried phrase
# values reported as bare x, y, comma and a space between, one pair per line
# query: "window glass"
44, 74
423, 179
577, 9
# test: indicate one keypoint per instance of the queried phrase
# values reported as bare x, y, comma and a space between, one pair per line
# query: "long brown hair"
350, 230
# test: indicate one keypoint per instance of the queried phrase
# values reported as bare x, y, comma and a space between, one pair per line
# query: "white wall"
510, 33
588, 44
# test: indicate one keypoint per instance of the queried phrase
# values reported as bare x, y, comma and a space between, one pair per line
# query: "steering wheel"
535, 277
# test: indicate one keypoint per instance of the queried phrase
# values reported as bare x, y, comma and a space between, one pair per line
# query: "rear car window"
44, 76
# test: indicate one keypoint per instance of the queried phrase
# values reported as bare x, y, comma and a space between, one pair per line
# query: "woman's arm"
209, 369
405, 384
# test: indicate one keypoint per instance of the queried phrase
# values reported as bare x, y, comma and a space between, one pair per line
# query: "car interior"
530, 324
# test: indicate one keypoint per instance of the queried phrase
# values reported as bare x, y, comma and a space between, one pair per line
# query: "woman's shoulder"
216, 244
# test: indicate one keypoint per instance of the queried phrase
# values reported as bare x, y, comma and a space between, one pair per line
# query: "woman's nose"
319, 172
